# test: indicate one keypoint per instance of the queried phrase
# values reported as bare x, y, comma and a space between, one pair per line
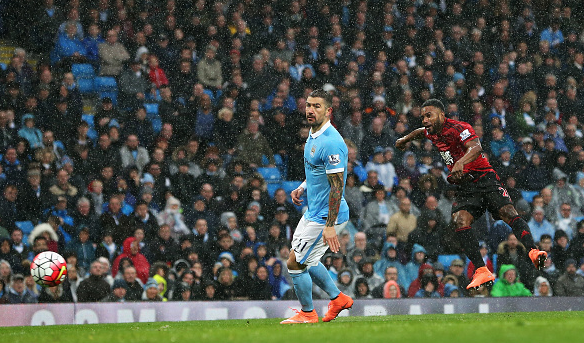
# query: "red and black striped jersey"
450, 142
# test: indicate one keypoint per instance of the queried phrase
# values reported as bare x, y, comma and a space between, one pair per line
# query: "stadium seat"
105, 84
272, 187
270, 175
25, 226
446, 260
85, 86
151, 110
528, 195
3, 66
83, 71
494, 260
112, 95
156, 124
88, 118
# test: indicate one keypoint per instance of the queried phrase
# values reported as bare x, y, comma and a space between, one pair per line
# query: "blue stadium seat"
3, 66
85, 86
25, 226
83, 71
112, 95
105, 84
88, 118
289, 186
270, 175
494, 260
272, 187
446, 260
528, 195
151, 110
156, 124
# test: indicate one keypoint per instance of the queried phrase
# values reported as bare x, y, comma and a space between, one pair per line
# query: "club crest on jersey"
464, 134
312, 151
334, 159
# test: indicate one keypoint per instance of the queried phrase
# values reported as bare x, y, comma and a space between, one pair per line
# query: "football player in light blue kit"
325, 166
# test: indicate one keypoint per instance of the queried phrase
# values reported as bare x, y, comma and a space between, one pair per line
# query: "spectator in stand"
112, 55
542, 287
69, 48
508, 284
209, 70
156, 74
133, 86
403, 222
94, 288
539, 225
18, 293
131, 250
91, 44
252, 145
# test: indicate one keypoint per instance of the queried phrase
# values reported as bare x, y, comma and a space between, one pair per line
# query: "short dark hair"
434, 103
321, 93
545, 236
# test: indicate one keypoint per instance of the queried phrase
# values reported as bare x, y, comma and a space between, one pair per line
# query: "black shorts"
485, 193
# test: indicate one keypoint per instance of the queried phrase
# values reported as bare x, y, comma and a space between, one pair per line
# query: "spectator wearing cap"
523, 156
118, 293
456, 270
166, 52
112, 55
539, 225
151, 291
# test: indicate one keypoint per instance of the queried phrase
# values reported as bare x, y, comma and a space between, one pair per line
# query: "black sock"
522, 232
470, 245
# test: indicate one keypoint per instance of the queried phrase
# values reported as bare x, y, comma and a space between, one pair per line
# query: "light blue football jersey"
325, 152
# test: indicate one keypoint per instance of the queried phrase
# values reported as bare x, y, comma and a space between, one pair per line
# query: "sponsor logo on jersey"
464, 134
334, 159
312, 151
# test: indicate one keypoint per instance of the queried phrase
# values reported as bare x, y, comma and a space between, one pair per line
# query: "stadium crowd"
184, 210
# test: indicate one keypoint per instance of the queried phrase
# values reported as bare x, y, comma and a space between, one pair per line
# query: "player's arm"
415, 134
297, 193
336, 194
473, 151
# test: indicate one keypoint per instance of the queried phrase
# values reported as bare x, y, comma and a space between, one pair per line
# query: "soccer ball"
48, 269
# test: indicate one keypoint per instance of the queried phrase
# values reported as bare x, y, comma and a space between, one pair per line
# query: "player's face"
317, 112
432, 119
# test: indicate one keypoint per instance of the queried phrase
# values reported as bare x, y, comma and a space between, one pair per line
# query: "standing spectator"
134, 155
252, 145
570, 284
133, 86
209, 70
112, 55
403, 222
94, 288
508, 284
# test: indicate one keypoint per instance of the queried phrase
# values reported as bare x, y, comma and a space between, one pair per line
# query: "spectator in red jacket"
132, 251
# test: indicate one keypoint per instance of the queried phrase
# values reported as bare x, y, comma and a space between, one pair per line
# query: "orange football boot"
335, 307
302, 317
482, 276
538, 258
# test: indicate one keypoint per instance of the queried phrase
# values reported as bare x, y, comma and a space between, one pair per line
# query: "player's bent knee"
462, 218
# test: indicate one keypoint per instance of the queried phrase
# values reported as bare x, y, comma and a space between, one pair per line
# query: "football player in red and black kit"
479, 186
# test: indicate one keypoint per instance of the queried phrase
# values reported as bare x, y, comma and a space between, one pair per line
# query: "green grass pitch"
468, 328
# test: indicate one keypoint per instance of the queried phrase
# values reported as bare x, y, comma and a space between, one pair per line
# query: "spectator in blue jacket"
68, 46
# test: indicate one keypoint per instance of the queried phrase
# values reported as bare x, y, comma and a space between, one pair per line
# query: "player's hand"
457, 173
329, 234
296, 194
401, 143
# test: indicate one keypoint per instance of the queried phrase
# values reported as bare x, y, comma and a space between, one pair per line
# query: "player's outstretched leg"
303, 288
339, 301
470, 246
523, 234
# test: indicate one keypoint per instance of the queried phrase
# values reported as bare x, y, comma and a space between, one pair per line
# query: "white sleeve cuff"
337, 170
